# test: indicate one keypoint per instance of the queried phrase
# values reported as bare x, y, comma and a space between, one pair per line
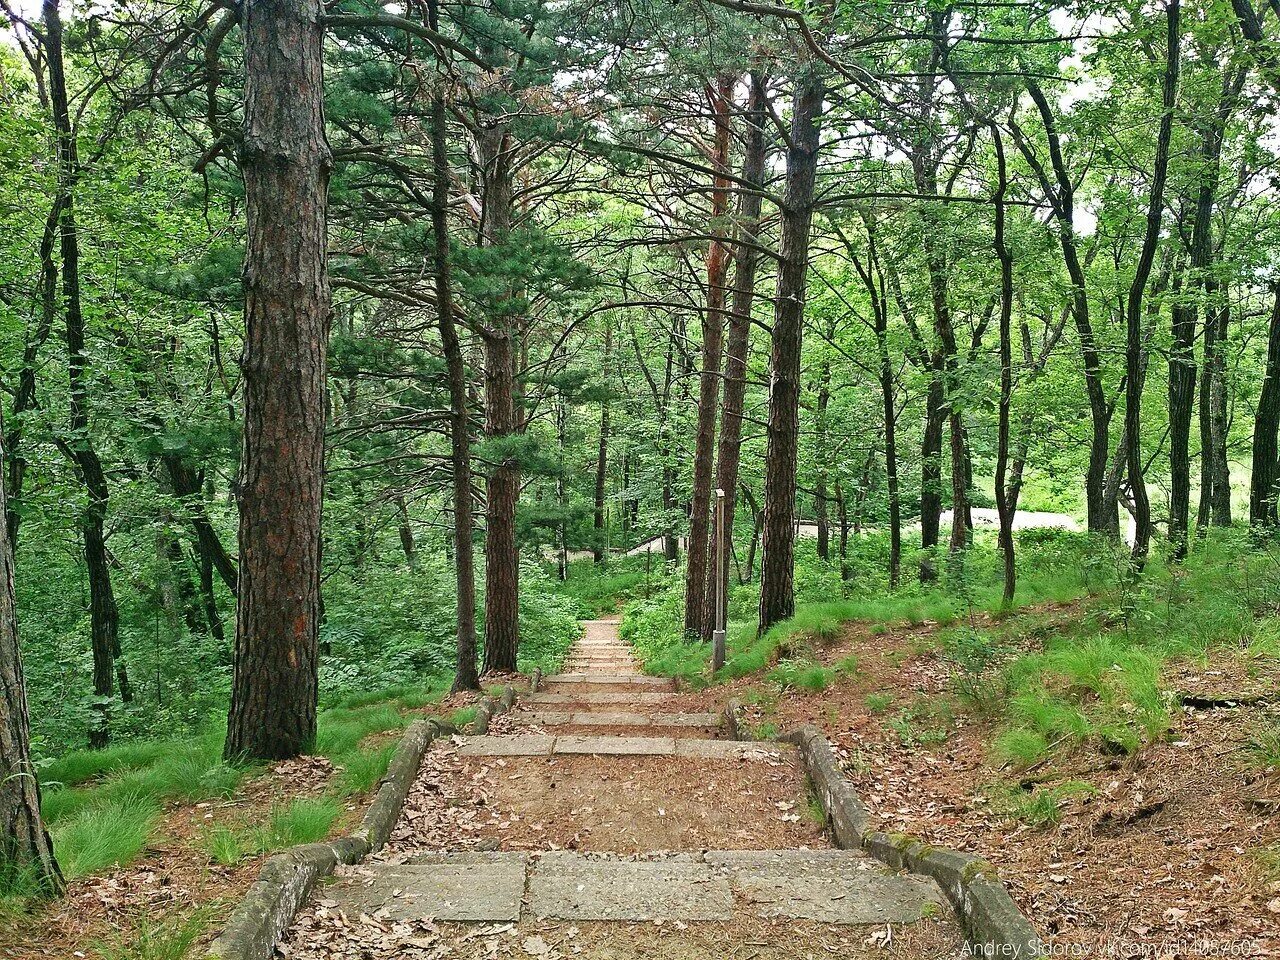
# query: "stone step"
592, 698
621, 718
612, 679
544, 745
829, 886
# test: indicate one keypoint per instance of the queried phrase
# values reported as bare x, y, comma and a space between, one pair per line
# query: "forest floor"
194, 859
1172, 847
554, 840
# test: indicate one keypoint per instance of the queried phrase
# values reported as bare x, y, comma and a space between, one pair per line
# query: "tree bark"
1137, 290
822, 402
1266, 424
501, 549
465, 676
602, 456
777, 573
696, 564
25, 847
746, 260
286, 161
1182, 385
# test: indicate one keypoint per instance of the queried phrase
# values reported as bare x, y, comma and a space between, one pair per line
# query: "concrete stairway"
603, 708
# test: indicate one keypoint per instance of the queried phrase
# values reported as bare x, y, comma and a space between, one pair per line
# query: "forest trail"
609, 818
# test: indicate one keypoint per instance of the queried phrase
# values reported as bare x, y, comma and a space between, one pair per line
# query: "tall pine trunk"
501, 549
25, 847
777, 573
286, 161
696, 557
746, 259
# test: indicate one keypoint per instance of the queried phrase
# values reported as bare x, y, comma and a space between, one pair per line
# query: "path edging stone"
287, 878
994, 925
732, 710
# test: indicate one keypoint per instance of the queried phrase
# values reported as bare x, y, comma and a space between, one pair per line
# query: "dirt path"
608, 817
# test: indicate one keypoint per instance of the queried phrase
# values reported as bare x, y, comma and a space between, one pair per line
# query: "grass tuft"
108, 834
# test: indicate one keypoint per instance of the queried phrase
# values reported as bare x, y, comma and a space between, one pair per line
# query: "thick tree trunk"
777, 574
1265, 481
286, 161
696, 565
501, 549
465, 677
746, 259
602, 457
1137, 290
25, 847
104, 615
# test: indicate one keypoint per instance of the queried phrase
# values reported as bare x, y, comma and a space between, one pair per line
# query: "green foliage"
304, 820
107, 834
362, 770
878, 702
225, 846
1264, 744
1020, 746
927, 722
172, 939
1042, 806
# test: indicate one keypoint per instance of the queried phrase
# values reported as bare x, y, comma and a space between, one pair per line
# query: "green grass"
362, 769
877, 703
1020, 747
1264, 745
108, 834
225, 846
156, 940
1269, 862
1041, 807
304, 820
102, 806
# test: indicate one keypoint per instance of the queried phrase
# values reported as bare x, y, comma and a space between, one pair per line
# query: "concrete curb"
994, 925
488, 708
731, 710
535, 680
287, 878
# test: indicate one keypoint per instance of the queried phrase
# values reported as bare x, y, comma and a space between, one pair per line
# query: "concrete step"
610, 679
596, 698
829, 886
622, 718
544, 745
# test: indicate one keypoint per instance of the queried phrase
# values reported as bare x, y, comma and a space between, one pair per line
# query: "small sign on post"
717, 637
